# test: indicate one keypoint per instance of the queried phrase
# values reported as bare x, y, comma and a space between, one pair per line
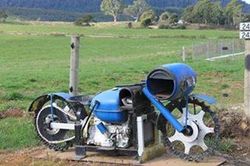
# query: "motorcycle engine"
108, 135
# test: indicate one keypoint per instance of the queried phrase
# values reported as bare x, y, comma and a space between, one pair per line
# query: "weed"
224, 86
14, 96
224, 145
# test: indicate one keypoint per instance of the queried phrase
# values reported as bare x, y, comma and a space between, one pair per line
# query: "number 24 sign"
245, 26
245, 30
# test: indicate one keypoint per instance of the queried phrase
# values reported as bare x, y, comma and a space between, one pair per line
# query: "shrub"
178, 27
147, 18
170, 26
130, 25
147, 14
163, 26
164, 16
84, 20
146, 22
78, 22
3, 16
173, 18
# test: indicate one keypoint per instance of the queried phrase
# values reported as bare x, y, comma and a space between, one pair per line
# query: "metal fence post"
183, 54
74, 65
233, 46
221, 48
193, 51
208, 56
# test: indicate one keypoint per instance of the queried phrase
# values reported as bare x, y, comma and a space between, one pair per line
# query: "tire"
43, 128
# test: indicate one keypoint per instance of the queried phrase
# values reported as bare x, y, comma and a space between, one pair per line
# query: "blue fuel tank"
171, 81
109, 108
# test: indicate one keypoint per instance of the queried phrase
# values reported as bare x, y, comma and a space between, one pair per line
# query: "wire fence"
214, 49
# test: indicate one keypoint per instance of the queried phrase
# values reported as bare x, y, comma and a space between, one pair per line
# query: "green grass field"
34, 60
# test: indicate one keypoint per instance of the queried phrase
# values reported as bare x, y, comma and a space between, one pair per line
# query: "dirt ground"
30, 157
12, 113
234, 126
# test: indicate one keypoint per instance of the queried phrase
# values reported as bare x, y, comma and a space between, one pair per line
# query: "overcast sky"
248, 1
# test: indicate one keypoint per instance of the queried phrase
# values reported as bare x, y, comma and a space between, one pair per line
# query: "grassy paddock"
17, 133
34, 65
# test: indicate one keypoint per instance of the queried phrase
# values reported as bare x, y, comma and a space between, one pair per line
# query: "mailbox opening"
161, 84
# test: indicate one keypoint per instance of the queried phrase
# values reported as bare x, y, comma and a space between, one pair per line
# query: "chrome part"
48, 120
127, 101
118, 134
67, 111
65, 126
140, 134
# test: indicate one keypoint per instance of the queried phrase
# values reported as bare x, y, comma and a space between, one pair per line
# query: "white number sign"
245, 35
245, 30
245, 26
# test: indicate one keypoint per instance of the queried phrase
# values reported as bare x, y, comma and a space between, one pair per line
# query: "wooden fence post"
74, 65
247, 79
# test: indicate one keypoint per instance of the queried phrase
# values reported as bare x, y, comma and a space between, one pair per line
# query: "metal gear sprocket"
199, 130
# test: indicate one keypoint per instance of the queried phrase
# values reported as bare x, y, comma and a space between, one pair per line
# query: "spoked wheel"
202, 130
61, 112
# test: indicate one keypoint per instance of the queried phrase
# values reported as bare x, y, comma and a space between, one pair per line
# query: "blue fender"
38, 103
202, 97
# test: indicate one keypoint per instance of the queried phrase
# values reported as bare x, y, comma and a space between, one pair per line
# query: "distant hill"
50, 14
70, 9
85, 5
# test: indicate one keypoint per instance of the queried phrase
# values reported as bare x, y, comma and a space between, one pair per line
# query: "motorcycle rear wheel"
44, 117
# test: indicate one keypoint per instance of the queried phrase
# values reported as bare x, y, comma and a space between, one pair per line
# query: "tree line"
203, 12
218, 12
207, 12
85, 5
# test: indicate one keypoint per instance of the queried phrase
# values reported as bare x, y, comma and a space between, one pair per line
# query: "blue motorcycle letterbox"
171, 81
